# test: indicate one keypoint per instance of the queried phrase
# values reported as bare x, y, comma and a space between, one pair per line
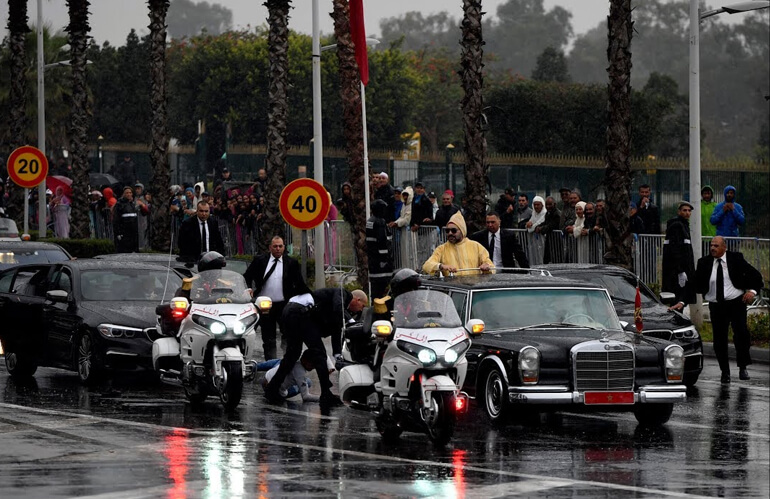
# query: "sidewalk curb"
758, 355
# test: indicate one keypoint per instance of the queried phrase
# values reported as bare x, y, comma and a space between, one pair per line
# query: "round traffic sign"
27, 166
304, 203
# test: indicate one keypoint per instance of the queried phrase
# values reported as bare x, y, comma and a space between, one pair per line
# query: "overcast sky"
111, 20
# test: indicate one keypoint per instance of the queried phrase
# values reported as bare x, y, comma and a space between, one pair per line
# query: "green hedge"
84, 248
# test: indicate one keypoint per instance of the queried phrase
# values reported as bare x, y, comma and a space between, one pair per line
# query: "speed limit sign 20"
304, 203
27, 166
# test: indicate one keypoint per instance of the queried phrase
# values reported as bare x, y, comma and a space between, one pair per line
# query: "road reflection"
177, 454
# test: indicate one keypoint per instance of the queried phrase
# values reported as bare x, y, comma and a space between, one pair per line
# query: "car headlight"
425, 355
454, 352
673, 362
529, 365
686, 332
114, 331
244, 324
216, 327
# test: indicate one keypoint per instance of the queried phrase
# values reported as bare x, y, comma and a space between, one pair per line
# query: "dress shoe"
272, 395
743, 374
328, 399
725, 377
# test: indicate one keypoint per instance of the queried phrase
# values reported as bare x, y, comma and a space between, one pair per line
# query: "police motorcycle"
209, 343
405, 362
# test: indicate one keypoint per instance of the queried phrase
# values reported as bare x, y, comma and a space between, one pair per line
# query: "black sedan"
553, 343
87, 316
658, 320
14, 253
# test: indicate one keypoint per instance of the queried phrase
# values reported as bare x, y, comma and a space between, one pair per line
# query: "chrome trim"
650, 394
124, 354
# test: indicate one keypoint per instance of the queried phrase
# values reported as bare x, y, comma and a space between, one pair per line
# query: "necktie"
270, 272
492, 248
720, 282
204, 238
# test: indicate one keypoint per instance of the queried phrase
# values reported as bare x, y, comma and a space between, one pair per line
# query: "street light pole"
695, 170
318, 166
41, 207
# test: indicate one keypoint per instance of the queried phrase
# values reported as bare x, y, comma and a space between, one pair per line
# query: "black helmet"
211, 261
379, 208
404, 280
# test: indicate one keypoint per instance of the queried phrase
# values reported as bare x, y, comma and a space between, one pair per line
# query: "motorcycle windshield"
219, 286
425, 308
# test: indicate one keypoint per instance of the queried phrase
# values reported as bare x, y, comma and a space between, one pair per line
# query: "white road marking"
551, 481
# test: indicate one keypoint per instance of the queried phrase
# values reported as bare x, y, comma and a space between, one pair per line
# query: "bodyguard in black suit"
199, 234
728, 283
504, 248
278, 276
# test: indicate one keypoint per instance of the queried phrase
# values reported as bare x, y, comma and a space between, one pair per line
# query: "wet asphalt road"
139, 439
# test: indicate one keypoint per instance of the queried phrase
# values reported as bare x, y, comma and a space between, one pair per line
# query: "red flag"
638, 310
358, 33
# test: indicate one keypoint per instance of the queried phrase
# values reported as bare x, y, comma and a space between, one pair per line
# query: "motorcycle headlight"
454, 352
216, 327
113, 331
244, 324
673, 362
686, 332
529, 365
425, 355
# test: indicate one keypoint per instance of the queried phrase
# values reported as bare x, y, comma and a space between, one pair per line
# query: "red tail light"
461, 403
178, 313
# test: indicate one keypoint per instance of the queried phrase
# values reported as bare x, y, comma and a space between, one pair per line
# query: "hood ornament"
605, 335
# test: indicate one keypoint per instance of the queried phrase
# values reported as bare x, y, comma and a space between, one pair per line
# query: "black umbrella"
99, 180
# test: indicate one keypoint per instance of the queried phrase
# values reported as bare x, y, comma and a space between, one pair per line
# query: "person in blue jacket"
728, 214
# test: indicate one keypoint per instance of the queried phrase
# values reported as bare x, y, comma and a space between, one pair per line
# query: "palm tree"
471, 63
617, 175
277, 116
160, 238
17, 30
350, 92
79, 116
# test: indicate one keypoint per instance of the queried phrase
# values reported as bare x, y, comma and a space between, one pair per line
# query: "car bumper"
562, 395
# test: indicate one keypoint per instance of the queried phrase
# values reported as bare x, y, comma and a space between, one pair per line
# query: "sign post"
304, 204
28, 168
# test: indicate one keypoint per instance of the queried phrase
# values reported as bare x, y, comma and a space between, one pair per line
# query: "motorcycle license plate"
608, 398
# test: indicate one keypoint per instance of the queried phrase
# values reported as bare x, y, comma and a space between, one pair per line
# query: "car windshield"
9, 258
518, 308
425, 308
219, 286
128, 285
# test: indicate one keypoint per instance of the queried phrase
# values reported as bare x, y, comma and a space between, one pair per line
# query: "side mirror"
668, 298
631, 328
475, 327
264, 304
58, 296
382, 329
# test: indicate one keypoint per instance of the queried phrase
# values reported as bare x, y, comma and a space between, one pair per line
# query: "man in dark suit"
503, 245
199, 234
278, 276
728, 283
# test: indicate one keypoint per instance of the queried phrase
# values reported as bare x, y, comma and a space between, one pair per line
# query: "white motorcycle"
421, 361
209, 342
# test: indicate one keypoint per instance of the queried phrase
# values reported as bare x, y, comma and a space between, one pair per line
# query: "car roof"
140, 257
99, 264
598, 268
492, 281
27, 245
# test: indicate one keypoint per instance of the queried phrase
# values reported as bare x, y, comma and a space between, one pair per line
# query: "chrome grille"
599, 370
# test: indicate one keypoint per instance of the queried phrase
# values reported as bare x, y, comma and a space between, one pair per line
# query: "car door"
22, 309
61, 319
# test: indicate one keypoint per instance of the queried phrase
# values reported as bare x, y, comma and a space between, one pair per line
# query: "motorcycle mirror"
475, 326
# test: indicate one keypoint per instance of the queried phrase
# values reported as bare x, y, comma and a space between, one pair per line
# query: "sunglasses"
451, 231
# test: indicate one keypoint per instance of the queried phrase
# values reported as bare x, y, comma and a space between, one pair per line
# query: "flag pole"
366, 151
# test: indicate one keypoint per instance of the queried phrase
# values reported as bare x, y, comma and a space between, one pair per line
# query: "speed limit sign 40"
304, 203
27, 166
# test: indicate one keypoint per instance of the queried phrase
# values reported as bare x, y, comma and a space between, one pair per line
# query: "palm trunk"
350, 90
160, 219
17, 30
617, 177
79, 117
277, 118
472, 64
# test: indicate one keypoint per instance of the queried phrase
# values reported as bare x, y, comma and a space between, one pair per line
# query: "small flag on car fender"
638, 310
